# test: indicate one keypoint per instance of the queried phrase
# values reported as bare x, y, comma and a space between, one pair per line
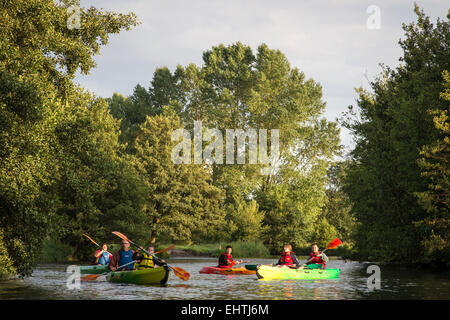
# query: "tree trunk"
153, 235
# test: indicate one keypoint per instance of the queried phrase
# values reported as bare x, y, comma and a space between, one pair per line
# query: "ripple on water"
49, 282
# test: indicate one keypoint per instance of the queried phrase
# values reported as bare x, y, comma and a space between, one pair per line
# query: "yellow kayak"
286, 273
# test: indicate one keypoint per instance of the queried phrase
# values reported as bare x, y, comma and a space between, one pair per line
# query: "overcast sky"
328, 40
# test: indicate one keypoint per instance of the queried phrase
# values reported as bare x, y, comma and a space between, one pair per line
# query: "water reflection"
49, 282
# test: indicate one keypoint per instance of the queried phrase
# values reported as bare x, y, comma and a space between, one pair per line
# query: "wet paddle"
168, 248
92, 240
93, 277
179, 272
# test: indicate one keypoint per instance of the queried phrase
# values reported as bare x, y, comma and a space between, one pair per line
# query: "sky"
329, 40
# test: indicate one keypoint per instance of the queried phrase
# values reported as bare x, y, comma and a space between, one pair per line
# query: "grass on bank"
240, 249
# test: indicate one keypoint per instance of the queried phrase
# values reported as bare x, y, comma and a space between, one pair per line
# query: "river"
49, 282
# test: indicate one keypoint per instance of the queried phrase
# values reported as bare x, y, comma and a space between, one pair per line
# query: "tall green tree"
392, 124
435, 165
39, 56
180, 202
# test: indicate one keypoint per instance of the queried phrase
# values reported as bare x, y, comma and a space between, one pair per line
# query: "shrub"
6, 266
54, 251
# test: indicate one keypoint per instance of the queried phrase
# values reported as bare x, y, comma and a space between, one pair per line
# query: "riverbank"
248, 250
240, 249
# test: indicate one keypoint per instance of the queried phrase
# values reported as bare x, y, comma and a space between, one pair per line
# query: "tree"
435, 165
236, 88
245, 221
39, 58
393, 124
337, 210
180, 203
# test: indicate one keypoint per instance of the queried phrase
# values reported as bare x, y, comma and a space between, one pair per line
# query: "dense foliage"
55, 139
236, 88
397, 179
73, 163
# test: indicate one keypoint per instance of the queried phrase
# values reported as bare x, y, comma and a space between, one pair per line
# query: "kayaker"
226, 259
102, 256
317, 257
121, 257
146, 260
288, 257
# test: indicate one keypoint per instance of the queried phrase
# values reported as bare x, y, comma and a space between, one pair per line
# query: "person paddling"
147, 261
102, 256
226, 259
121, 257
317, 257
288, 257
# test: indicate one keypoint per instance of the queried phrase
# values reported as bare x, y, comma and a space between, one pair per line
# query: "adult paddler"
121, 257
226, 259
147, 261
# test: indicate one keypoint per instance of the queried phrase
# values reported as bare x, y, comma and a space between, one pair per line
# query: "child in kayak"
288, 257
102, 256
148, 261
226, 259
317, 257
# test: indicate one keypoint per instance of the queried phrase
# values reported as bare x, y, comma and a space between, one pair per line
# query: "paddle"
92, 240
179, 272
92, 277
168, 248
333, 244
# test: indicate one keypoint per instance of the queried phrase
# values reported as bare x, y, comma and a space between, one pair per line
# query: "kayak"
94, 269
309, 266
286, 273
216, 270
251, 266
158, 275
314, 266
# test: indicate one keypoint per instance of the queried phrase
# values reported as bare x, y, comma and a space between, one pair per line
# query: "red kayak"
216, 270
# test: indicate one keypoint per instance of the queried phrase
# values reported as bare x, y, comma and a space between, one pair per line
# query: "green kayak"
309, 266
94, 269
286, 273
158, 275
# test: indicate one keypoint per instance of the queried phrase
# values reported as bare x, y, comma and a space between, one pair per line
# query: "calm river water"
49, 282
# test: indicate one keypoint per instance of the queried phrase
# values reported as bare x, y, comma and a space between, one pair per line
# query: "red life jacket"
229, 260
286, 258
316, 259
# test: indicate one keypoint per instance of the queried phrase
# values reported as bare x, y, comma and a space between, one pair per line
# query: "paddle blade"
181, 273
165, 249
90, 277
84, 234
333, 244
121, 235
